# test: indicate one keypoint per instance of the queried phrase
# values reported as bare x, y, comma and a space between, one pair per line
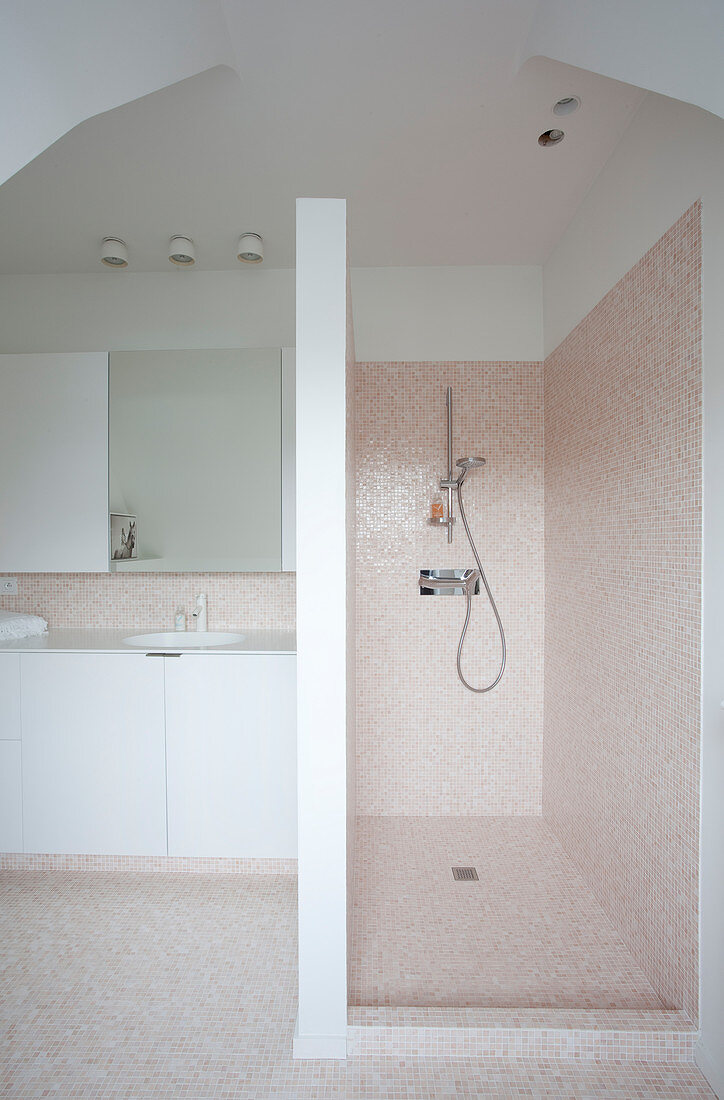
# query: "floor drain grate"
465, 874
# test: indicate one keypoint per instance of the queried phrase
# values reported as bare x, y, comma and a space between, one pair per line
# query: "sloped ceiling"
439, 164
424, 114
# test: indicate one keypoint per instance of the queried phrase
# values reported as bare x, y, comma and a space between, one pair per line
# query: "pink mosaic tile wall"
256, 601
425, 745
623, 561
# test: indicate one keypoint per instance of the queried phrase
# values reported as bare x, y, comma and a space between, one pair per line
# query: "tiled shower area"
573, 787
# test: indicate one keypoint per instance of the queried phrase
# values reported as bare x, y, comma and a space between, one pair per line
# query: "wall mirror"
201, 460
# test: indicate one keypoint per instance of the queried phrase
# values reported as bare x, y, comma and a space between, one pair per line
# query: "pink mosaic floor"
144, 985
528, 934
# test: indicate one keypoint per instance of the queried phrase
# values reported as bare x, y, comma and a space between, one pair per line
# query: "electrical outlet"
8, 586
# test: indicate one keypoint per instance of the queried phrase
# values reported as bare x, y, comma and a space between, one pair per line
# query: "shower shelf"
440, 521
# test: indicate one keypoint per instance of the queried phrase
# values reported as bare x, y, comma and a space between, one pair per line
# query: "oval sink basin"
171, 639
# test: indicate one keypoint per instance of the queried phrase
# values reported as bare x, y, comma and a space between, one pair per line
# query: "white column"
321, 605
710, 1050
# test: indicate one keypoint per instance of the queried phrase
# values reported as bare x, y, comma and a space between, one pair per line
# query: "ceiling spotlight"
551, 137
114, 252
566, 106
181, 251
250, 249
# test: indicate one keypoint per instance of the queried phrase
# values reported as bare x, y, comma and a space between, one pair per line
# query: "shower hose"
468, 593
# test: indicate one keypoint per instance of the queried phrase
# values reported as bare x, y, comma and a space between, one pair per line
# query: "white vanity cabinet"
93, 755
11, 817
11, 814
9, 696
125, 753
231, 755
54, 458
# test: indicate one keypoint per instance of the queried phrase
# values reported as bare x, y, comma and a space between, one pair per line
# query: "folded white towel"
14, 625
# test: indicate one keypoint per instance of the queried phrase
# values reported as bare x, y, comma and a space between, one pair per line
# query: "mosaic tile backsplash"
251, 601
622, 635
425, 745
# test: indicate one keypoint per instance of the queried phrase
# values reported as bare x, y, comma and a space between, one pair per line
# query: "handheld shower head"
466, 465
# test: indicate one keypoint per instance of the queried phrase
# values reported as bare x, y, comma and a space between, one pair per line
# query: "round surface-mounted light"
551, 137
114, 252
181, 251
566, 106
250, 249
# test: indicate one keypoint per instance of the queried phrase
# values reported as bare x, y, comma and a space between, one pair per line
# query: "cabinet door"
54, 457
231, 755
11, 818
93, 753
9, 696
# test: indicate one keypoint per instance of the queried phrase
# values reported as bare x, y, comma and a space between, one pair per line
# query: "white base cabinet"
231, 755
126, 754
11, 813
9, 696
93, 753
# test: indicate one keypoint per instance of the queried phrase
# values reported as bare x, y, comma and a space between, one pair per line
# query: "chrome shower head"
467, 464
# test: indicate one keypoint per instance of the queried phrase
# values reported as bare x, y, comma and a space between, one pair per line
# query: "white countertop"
112, 641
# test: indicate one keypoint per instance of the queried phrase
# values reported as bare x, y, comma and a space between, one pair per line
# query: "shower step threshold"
543, 1033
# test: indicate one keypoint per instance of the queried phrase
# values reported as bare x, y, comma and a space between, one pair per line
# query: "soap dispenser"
180, 619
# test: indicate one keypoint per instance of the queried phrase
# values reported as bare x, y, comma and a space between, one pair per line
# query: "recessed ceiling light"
250, 249
181, 251
114, 252
566, 106
551, 137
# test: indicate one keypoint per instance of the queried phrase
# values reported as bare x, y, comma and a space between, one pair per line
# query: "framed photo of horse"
124, 539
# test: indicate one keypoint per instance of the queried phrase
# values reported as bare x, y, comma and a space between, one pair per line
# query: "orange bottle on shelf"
438, 507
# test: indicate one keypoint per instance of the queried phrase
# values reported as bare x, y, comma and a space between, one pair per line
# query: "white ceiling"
413, 111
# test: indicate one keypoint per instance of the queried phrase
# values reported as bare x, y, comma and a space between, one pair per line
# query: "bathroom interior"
460, 581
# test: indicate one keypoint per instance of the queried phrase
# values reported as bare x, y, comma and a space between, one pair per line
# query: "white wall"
447, 313
438, 313
125, 310
321, 627
671, 155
